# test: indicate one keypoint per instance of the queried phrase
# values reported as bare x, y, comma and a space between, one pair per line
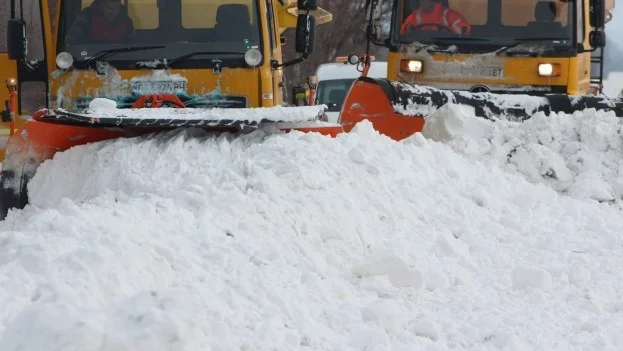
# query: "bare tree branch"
343, 36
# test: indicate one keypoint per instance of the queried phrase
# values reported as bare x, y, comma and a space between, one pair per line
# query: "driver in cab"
103, 21
436, 15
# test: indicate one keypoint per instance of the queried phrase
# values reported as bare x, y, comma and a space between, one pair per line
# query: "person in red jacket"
104, 21
434, 12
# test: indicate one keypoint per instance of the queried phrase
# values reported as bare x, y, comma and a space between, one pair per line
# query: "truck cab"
534, 47
196, 53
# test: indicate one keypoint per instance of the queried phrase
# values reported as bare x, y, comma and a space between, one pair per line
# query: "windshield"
333, 92
484, 22
177, 27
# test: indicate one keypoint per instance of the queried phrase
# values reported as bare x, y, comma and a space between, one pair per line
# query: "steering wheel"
439, 27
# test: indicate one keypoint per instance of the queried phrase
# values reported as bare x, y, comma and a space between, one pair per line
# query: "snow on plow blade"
398, 110
52, 131
238, 119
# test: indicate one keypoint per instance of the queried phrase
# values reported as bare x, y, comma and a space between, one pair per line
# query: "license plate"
492, 72
159, 87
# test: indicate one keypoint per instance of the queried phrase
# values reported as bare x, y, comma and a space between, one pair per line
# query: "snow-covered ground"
506, 237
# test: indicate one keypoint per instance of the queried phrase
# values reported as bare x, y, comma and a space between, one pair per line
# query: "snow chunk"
524, 278
590, 185
386, 314
426, 328
541, 164
387, 263
579, 275
452, 120
379, 263
103, 104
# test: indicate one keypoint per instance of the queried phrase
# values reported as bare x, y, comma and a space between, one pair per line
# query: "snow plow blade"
374, 100
52, 131
398, 110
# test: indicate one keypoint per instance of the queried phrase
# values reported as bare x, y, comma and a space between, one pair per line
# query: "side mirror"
305, 34
597, 39
307, 5
16, 39
597, 17
305, 39
377, 12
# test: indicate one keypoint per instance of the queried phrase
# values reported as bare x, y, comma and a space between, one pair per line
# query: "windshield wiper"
195, 53
520, 41
434, 47
110, 52
541, 38
460, 39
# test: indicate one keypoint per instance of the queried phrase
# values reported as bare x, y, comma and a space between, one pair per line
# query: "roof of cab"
340, 70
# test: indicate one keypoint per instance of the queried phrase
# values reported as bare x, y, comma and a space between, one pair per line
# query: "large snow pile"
188, 241
579, 154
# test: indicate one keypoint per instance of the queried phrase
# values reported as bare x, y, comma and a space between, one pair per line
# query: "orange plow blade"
399, 109
374, 99
34, 143
49, 132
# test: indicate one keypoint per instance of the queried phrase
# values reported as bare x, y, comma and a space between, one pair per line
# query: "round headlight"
253, 57
64, 60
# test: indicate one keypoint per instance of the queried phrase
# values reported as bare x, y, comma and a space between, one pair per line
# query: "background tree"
343, 36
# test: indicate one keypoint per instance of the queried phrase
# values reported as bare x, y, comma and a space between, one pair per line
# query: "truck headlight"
253, 57
64, 60
11, 83
413, 66
549, 69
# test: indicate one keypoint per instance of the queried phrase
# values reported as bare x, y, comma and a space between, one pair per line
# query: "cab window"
333, 92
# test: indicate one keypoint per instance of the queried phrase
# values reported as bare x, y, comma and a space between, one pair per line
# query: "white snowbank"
613, 84
188, 241
580, 154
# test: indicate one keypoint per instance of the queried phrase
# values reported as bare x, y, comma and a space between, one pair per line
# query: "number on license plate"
492, 72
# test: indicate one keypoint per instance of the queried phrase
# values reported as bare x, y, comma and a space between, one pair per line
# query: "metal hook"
218, 66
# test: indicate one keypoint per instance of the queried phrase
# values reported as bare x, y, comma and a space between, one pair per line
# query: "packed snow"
294, 241
106, 108
613, 84
579, 154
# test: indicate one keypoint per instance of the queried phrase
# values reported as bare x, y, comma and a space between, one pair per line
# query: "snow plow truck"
507, 59
162, 64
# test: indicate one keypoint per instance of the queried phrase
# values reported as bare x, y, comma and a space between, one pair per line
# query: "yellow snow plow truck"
505, 58
118, 68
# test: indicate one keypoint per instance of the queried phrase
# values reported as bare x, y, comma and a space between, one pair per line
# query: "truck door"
8, 69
